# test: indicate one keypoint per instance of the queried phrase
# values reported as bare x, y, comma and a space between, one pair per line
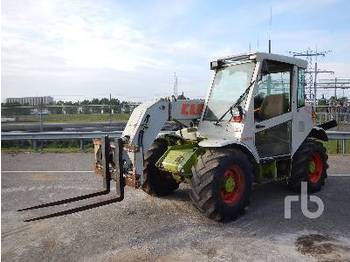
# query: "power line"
336, 83
312, 70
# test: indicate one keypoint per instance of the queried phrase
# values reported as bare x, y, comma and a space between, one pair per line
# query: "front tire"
221, 183
158, 182
309, 165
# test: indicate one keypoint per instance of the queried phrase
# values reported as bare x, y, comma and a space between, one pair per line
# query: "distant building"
33, 101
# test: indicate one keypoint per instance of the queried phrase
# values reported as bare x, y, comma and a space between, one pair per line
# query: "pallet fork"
109, 162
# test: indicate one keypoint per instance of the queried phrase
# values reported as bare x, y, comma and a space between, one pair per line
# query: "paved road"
144, 228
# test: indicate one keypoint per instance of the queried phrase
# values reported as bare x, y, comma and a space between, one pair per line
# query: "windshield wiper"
239, 100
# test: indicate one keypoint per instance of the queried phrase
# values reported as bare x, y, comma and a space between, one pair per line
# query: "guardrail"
338, 135
37, 136
8, 136
13, 136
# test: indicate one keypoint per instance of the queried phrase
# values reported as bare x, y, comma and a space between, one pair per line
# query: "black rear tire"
212, 194
158, 182
309, 164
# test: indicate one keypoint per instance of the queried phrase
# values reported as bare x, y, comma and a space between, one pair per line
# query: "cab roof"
260, 56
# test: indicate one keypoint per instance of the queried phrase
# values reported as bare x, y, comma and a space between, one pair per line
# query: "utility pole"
335, 88
110, 110
315, 83
41, 113
270, 26
175, 90
316, 72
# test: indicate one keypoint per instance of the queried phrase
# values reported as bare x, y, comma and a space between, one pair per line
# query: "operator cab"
252, 100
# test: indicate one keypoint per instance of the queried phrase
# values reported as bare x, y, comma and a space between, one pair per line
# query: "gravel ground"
144, 228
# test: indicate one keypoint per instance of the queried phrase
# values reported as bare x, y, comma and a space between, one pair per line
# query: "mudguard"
218, 143
318, 133
319, 130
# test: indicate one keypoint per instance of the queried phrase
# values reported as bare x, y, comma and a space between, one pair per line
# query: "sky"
80, 49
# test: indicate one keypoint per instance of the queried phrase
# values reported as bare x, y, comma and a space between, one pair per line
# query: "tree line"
336, 101
93, 106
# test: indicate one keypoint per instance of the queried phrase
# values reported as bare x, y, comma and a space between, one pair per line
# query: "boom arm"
142, 129
145, 123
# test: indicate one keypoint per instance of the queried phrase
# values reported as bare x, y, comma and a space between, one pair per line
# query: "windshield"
229, 84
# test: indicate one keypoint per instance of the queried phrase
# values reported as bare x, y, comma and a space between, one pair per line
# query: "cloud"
299, 6
53, 36
132, 48
86, 47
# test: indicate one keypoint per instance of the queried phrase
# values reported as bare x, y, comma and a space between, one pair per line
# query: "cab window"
301, 88
272, 96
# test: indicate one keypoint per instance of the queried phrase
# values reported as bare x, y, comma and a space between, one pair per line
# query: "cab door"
273, 109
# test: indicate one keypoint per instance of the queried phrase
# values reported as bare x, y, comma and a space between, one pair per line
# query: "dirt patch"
127, 255
324, 248
43, 177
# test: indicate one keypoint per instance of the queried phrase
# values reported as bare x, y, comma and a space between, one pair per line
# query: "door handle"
259, 126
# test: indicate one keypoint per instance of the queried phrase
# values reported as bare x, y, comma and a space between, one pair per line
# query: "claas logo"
191, 109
